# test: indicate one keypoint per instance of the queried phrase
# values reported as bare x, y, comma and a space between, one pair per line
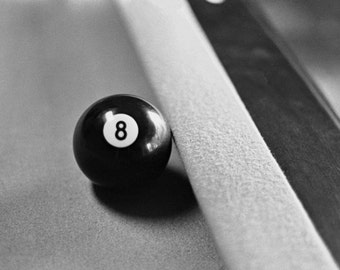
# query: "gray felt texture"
57, 58
256, 219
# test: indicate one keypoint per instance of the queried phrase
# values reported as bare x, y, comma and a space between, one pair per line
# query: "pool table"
234, 194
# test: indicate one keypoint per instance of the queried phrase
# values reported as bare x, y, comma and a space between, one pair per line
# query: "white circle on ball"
120, 130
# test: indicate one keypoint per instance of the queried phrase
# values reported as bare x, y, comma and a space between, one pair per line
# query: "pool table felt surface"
256, 218
58, 57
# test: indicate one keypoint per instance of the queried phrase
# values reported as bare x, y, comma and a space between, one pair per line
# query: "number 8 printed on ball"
121, 130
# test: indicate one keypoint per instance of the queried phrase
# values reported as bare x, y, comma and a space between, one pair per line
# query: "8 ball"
122, 142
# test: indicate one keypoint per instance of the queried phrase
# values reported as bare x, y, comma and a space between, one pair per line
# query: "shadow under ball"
121, 142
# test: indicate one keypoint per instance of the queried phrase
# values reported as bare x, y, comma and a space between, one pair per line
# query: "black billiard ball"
121, 142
